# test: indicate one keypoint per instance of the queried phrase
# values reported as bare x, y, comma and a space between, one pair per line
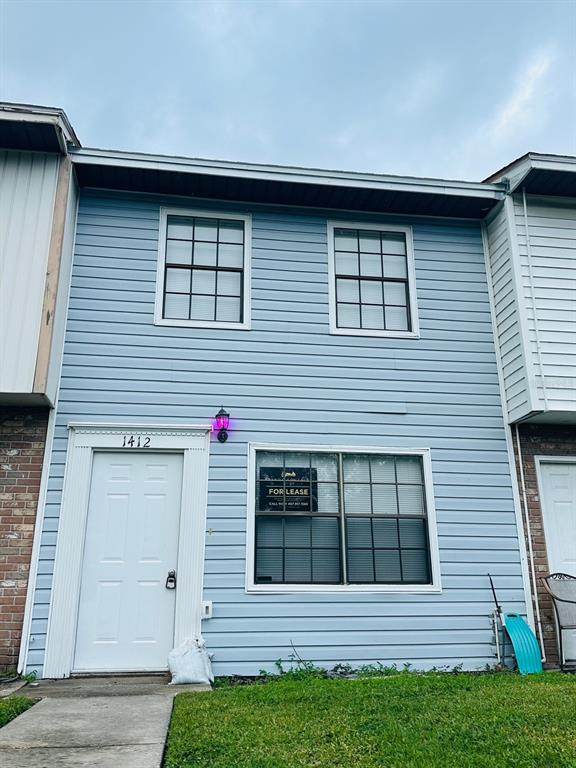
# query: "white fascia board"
17, 116
88, 156
553, 163
555, 166
22, 113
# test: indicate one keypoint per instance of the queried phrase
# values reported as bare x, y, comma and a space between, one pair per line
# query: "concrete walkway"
100, 722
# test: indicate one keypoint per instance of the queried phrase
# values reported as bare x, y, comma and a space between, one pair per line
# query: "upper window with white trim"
341, 519
203, 270
372, 274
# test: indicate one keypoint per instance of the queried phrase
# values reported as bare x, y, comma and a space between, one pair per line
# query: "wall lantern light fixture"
222, 424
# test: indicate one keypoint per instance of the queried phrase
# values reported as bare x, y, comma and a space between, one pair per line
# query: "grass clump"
297, 668
12, 707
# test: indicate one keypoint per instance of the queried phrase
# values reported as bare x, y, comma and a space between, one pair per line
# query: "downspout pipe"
530, 547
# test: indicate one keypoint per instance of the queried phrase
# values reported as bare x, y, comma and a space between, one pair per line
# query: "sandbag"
189, 663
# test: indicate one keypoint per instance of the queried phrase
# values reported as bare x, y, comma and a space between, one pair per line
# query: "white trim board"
245, 325
551, 459
435, 587
331, 226
193, 442
529, 597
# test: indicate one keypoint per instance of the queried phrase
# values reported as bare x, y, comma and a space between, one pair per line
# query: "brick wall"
542, 440
22, 442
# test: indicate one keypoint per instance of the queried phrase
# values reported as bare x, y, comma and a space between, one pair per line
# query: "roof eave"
130, 160
30, 113
517, 172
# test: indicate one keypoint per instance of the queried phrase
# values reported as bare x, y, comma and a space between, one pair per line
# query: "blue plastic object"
525, 644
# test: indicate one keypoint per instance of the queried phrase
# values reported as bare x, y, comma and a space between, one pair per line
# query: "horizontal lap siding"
549, 293
507, 321
288, 381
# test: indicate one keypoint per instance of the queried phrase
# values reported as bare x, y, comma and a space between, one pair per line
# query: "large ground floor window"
341, 518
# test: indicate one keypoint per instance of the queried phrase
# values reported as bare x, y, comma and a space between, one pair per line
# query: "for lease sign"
289, 489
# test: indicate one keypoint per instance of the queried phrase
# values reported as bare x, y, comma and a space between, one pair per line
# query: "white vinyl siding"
27, 190
547, 259
509, 338
533, 275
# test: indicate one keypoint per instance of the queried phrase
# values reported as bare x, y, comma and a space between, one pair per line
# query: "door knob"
171, 580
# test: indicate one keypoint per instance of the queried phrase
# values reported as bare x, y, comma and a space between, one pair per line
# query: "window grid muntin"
311, 548
383, 279
344, 547
399, 549
217, 268
283, 513
397, 483
398, 517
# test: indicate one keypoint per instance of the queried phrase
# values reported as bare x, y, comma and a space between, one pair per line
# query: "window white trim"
413, 306
193, 441
159, 298
412, 589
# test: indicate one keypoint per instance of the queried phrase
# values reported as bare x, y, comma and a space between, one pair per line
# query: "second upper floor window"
203, 270
372, 280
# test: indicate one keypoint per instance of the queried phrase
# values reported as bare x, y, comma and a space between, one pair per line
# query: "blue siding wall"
440, 391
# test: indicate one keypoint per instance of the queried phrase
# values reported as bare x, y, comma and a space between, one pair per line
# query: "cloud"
514, 125
517, 112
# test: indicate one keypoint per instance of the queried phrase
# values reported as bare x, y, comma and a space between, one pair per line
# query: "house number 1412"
130, 441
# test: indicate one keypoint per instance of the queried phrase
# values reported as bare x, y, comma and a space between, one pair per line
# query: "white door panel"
559, 513
126, 614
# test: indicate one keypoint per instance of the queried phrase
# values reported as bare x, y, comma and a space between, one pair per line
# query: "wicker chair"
562, 589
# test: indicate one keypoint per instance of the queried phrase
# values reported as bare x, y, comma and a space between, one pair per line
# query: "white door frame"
538, 461
193, 441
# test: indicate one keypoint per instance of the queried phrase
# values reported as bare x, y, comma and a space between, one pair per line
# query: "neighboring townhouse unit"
364, 490
532, 257
37, 216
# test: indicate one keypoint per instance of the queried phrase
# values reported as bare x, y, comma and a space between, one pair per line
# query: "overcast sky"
450, 89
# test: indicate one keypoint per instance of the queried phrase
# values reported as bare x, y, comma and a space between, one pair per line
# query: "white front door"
126, 614
559, 513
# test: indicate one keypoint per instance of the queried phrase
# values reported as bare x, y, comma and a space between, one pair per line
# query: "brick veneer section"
22, 443
542, 440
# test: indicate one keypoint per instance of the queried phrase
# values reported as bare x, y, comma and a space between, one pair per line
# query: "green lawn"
402, 721
12, 707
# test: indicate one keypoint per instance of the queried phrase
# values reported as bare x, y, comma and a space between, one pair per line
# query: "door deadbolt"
171, 580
